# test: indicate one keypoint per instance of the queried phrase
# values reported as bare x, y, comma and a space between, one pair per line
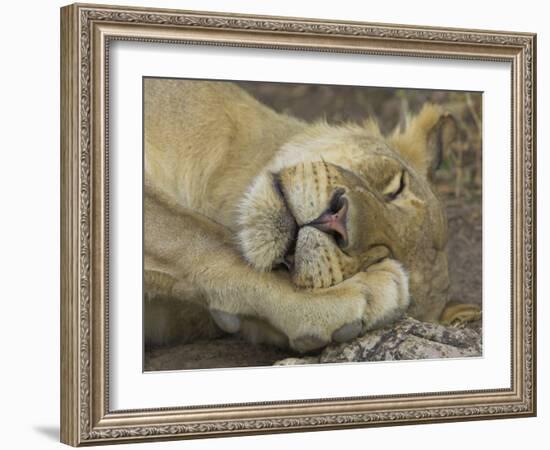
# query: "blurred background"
460, 174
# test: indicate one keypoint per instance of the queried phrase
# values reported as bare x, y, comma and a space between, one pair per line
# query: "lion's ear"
426, 139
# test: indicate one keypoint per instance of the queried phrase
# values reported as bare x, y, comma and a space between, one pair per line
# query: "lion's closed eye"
395, 186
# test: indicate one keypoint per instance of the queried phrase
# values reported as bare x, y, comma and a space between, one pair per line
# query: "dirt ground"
458, 183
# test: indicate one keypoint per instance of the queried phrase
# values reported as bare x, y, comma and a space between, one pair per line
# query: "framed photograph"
275, 224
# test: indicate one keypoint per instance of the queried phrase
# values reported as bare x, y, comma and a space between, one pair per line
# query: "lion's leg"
171, 313
168, 320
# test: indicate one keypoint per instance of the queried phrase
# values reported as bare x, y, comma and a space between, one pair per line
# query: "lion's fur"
216, 228
196, 148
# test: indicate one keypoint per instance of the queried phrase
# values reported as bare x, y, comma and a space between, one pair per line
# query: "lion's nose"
333, 220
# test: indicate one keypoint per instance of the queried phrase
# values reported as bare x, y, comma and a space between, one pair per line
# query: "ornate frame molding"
86, 31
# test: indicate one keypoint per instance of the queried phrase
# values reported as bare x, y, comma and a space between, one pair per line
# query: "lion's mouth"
309, 244
288, 256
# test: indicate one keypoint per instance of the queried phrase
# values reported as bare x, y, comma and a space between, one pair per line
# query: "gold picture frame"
86, 33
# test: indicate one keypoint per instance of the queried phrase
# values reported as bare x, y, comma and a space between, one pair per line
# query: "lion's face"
336, 200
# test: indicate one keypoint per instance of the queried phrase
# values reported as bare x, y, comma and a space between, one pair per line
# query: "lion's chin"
318, 262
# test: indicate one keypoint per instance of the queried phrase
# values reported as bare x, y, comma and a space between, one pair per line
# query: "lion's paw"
312, 319
348, 331
322, 316
309, 343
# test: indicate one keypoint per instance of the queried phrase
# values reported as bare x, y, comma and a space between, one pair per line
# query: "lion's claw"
308, 343
229, 323
348, 331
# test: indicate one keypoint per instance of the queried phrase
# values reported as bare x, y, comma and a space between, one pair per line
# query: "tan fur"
230, 185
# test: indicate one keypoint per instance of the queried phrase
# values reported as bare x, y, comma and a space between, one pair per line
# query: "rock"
404, 340
296, 361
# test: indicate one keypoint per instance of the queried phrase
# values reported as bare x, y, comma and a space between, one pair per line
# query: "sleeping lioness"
287, 232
